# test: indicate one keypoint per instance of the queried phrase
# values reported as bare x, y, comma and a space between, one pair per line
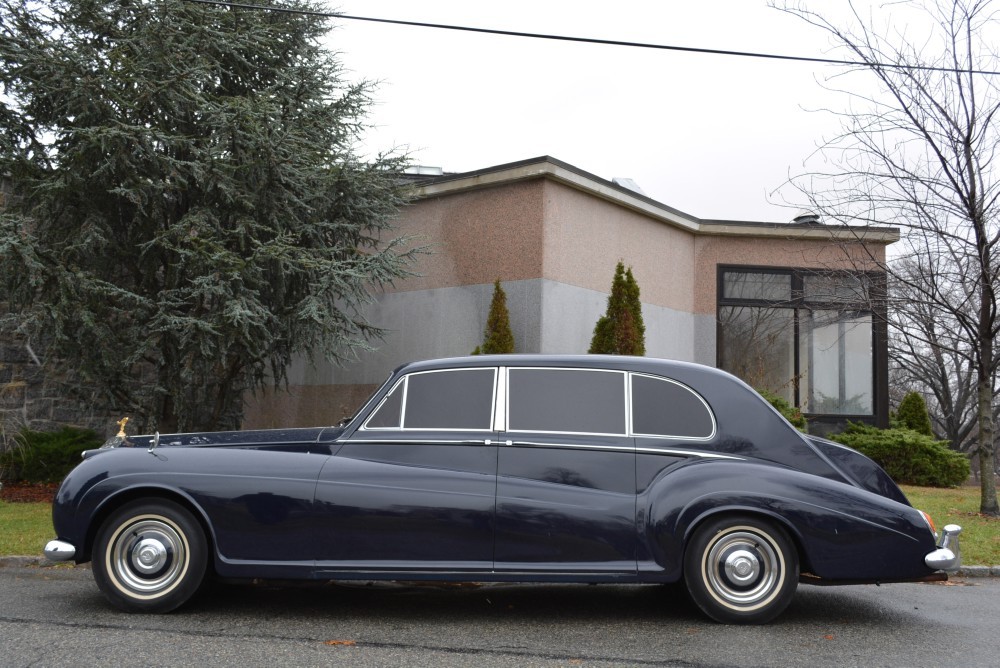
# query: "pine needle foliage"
621, 331
188, 206
498, 339
912, 414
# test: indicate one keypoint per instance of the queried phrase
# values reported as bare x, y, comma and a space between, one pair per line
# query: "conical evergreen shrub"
498, 338
912, 414
621, 331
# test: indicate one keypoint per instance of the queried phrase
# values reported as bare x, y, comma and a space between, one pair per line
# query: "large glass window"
757, 285
836, 350
758, 345
812, 345
566, 400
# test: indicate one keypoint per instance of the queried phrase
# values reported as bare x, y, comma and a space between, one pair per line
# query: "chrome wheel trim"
147, 556
743, 568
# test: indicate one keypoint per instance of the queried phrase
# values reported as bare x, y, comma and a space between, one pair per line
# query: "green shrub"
498, 339
791, 413
46, 456
912, 414
621, 330
909, 457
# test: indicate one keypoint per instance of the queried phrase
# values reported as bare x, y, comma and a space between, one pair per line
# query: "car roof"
652, 365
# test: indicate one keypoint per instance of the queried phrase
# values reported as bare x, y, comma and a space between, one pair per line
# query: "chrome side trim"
533, 444
622, 448
436, 441
688, 453
59, 550
569, 446
948, 556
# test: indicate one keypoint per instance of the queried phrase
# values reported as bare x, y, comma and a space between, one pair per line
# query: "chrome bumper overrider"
948, 556
59, 550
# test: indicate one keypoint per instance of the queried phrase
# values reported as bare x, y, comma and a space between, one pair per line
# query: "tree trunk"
987, 478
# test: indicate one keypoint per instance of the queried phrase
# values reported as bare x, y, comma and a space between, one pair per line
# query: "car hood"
217, 439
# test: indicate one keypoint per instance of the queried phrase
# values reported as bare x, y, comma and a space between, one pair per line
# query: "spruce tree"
498, 337
621, 331
189, 208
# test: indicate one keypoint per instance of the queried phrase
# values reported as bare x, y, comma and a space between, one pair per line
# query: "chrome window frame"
711, 413
625, 390
365, 427
405, 380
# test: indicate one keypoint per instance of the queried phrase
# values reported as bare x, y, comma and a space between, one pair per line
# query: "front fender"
842, 532
94, 489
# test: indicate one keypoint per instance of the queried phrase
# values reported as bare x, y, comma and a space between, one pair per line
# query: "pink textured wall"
586, 236
477, 237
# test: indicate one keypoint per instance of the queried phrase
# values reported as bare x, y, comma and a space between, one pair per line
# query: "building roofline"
547, 167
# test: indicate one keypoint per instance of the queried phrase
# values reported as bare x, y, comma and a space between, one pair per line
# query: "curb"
37, 562
978, 572
42, 562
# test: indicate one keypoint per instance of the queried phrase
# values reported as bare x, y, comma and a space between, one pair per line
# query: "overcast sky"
710, 135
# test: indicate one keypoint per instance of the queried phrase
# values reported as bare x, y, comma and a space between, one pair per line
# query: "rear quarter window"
666, 408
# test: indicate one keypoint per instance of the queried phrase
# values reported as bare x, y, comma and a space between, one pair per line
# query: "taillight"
930, 522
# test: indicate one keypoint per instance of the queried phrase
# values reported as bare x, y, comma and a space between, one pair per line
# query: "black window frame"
875, 305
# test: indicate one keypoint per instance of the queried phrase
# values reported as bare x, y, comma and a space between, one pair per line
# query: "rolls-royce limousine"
509, 468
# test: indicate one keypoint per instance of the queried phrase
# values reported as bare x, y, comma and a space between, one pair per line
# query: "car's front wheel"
741, 570
150, 556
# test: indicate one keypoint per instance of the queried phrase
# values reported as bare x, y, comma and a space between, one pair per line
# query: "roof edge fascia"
546, 167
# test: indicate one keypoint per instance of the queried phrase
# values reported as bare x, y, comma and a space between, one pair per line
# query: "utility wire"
591, 40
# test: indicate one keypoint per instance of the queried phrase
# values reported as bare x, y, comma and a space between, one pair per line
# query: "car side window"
450, 399
663, 407
566, 401
388, 414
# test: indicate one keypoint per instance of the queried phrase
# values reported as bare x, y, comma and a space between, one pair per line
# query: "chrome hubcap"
742, 568
149, 555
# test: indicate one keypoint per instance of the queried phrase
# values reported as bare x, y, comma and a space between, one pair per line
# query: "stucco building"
792, 307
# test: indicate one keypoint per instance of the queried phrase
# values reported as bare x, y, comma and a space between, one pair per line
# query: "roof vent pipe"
628, 184
807, 217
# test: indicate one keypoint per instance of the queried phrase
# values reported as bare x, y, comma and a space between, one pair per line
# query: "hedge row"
46, 456
909, 457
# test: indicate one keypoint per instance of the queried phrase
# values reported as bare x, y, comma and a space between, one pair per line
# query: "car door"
566, 473
413, 489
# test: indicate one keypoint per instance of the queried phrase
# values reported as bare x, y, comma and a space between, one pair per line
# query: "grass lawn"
980, 539
24, 528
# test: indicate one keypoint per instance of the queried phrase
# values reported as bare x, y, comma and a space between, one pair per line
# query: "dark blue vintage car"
506, 468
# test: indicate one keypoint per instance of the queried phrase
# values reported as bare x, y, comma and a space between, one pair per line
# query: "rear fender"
842, 532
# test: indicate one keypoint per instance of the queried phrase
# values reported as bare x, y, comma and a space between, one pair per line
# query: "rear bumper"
59, 550
948, 556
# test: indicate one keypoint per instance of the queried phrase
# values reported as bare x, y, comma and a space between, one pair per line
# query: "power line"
590, 40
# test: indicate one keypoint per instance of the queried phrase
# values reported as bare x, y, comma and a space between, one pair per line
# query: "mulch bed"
27, 492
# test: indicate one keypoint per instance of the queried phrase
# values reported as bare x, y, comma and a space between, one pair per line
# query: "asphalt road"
56, 617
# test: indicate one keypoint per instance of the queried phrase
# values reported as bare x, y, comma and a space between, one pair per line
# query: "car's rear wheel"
150, 556
741, 570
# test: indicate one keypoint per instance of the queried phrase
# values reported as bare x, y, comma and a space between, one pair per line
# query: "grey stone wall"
38, 394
